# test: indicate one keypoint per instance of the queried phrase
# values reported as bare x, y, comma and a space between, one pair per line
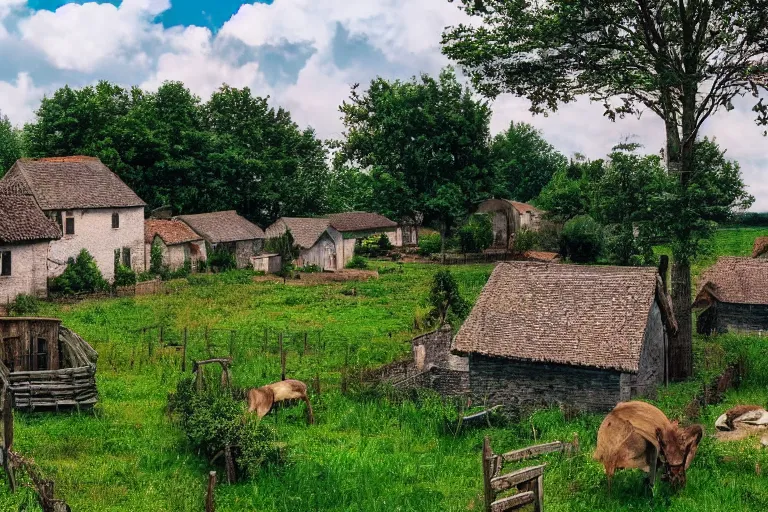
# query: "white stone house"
230, 230
25, 233
92, 206
177, 241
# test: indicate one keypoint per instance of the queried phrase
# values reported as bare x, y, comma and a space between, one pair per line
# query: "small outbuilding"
25, 234
760, 249
46, 365
508, 218
269, 263
177, 241
227, 229
320, 244
587, 337
355, 226
733, 296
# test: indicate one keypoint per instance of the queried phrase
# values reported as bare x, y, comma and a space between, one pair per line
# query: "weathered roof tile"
21, 220
360, 221
222, 227
736, 281
305, 230
172, 232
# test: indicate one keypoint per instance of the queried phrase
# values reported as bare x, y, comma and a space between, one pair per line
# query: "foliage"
425, 144
446, 301
357, 262
286, 247
82, 275
525, 240
310, 268
430, 244
124, 276
212, 420
24, 305
523, 162
747, 219
374, 246
10, 145
156, 265
221, 259
550, 235
476, 235
582, 239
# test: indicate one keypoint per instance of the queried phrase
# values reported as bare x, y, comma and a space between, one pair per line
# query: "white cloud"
19, 100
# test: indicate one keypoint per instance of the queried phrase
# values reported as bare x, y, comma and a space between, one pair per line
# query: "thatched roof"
566, 314
736, 281
223, 227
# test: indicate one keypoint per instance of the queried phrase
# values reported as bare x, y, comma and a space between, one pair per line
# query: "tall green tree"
683, 61
10, 144
523, 162
424, 144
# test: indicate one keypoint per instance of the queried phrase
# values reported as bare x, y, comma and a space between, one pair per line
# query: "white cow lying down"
746, 417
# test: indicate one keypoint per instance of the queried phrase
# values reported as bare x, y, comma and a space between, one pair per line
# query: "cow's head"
678, 447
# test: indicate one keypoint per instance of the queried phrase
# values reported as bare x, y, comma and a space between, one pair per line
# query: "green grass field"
366, 453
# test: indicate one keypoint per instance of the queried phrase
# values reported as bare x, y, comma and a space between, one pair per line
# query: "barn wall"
318, 254
94, 232
244, 249
521, 386
650, 374
29, 271
18, 339
738, 317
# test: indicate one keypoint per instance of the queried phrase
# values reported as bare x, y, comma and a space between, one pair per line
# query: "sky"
303, 54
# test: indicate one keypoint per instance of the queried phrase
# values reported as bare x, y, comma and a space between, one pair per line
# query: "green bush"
582, 239
222, 259
358, 262
125, 276
213, 419
311, 269
373, 246
156, 266
549, 236
429, 244
447, 303
82, 275
625, 247
525, 240
24, 305
476, 235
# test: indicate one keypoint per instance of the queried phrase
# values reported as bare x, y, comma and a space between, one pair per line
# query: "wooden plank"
539, 491
532, 451
487, 473
513, 502
512, 480
210, 503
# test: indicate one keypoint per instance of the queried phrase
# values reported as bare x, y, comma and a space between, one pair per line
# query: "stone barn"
355, 226
319, 243
229, 230
508, 218
585, 337
760, 249
25, 234
733, 296
177, 241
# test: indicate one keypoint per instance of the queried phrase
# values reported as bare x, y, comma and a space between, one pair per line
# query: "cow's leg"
653, 464
310, 414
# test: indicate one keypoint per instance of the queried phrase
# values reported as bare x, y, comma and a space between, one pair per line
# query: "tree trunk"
442, 242
681, 345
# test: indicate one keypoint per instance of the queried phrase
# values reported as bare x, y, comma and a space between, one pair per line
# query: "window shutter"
115, 220
127, 256
5, 257
70, 226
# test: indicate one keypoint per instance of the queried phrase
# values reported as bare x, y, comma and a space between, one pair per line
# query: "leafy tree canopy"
10, 144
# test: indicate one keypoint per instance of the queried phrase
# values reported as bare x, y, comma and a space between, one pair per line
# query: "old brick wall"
522, 387
29, 271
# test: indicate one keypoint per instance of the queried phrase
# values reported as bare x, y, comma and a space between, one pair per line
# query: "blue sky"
303, 54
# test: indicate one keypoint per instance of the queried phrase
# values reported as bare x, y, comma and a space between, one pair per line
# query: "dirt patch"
341, 276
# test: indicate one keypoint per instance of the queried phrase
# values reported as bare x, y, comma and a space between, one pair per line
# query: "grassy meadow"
367, 452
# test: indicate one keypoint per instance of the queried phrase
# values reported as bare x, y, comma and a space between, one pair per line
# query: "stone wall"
29, 273
245, 249
521, 387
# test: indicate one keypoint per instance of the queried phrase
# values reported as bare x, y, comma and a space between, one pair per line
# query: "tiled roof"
219, 227
566, 314
761, 246
69, 183
171, 231
523, 207
22, 220
305, 230
736, 281
360, 221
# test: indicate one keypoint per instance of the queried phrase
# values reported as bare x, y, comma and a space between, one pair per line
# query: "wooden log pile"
68, 387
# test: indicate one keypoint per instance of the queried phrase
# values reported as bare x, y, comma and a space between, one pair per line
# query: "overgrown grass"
367, 452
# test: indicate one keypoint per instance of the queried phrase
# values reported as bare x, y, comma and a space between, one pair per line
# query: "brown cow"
638, 435
262, 399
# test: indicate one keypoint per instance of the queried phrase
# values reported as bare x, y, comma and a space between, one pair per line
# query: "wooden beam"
487, 473
511, 480
532, 451
513, 502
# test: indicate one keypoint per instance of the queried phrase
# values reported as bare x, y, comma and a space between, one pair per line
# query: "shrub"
288, 249
311, 269
430, 244
549, 236
24, 305
582, 239
624, 246
373, 246
525, 240
476, 235
182, 272
156, 266
124, 276
447, 303
358, 262
82, 275
222, 259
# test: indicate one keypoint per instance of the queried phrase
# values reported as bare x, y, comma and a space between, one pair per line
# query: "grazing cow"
638, 435
262, 399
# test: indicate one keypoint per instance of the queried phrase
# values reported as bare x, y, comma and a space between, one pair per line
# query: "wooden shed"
588, 337
46, 365
733, 296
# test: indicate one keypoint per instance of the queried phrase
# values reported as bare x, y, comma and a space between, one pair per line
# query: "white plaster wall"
29, 274
93, 232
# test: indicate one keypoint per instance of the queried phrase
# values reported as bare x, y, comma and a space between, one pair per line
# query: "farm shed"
733, 294
355, 226
228, 229
46, 365
508, 218
320, 244
25, 233
94, 209
760, 249
582, 336
267, 262
177, 241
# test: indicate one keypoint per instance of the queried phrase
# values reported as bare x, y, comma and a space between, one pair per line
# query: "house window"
58, 219
115, 220
69, 226
127, 256
5, 263
41, 356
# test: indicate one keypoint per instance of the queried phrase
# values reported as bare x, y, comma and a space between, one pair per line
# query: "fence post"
161, 335
487, 473
305, 343
210, 504
282, 358
184, 353
207, 342
231, 344
149, 343
8, 437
